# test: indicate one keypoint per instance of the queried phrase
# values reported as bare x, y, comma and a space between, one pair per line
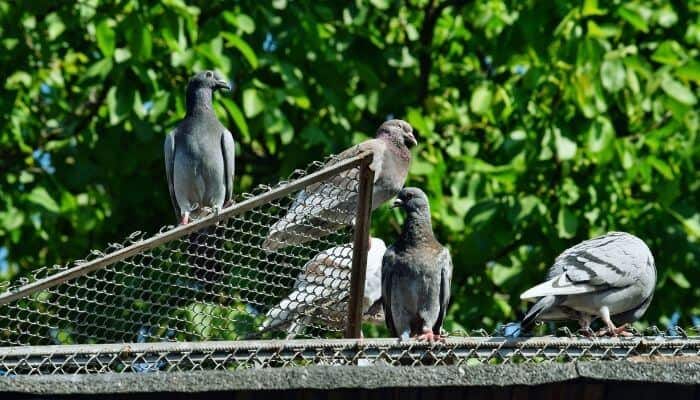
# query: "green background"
540, 123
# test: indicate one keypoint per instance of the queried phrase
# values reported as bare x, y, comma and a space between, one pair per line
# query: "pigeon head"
398, 130
412, 199
200, 89
210, 80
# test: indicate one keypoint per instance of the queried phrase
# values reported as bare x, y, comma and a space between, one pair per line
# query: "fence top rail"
274, 193
339, 344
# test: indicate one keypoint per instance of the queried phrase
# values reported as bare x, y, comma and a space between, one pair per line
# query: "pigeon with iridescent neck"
416, 274
322, 208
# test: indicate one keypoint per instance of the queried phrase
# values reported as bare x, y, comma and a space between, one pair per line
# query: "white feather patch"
556, 286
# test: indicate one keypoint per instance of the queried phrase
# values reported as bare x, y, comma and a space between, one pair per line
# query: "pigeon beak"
223, 84
411, 139
397, 203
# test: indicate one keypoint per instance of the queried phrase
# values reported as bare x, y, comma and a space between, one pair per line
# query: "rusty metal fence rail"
237, 355
213, 279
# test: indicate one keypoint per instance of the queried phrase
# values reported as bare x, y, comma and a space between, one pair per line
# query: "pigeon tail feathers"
559, 285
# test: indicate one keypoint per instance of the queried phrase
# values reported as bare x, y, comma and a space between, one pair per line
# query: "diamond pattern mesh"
213, 280
231, 356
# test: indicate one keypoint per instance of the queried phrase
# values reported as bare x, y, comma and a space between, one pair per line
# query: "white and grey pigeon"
322, 208
320, 289
611, 277
199, 153
416, 274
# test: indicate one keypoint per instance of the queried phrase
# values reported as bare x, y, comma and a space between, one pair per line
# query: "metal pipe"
535, 343
359, 249
182, 230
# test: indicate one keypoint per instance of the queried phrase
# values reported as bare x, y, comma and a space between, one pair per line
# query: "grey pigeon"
609, 277
199, 153
320, 289
416, 274
322, 208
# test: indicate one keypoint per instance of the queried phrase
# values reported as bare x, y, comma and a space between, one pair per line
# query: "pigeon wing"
323, 207
387, 278
169, 151
445, 264
613, 260
228, 150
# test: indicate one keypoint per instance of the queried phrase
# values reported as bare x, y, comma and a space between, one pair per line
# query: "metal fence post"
360, 248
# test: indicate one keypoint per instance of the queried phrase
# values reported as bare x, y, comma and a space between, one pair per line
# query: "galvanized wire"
172, 357
208, 281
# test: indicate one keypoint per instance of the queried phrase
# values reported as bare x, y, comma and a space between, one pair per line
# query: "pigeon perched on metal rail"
199, 153
609, 277
321, 208
320, 289
416, 274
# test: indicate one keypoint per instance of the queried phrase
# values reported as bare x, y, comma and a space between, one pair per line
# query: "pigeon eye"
209, 74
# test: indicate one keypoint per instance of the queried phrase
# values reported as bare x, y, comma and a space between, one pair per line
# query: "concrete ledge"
348, 377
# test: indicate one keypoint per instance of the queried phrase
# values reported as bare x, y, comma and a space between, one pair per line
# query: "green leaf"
689, 71
661, 167
590, 8
633, 17
11, 219
612, 75
567, 223
142, 43
41, 197
679, 279
480, 102
418, 122
566, 148
243, 47
17, 78
100, 68
380, 4
678, 92
106, 38
666, 17
246, 23
600, 140
252, 103
669, 52
55, 26
121, 55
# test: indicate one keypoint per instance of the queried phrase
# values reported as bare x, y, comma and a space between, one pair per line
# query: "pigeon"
608, 277
322, 208
416, 274
320, 290
199, 153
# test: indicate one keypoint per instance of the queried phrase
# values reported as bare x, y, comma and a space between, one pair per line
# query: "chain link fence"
214, 279
231, 356
183, 299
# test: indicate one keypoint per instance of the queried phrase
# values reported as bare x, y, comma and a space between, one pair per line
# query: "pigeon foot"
431, 337
185, 219
614, 331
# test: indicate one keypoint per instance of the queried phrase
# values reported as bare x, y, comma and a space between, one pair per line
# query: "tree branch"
427, 33
90, 109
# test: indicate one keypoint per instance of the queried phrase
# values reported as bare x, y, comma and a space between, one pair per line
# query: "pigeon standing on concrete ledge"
199, 153
324, 207
609, 277
416, 274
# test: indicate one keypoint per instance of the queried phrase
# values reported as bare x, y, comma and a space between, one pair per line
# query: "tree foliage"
541, 123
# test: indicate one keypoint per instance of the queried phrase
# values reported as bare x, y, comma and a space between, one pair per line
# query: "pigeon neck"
397, 145
198, 101
417, 226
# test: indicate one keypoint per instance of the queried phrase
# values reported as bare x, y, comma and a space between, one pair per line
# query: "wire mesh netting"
216, 279
231, 356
